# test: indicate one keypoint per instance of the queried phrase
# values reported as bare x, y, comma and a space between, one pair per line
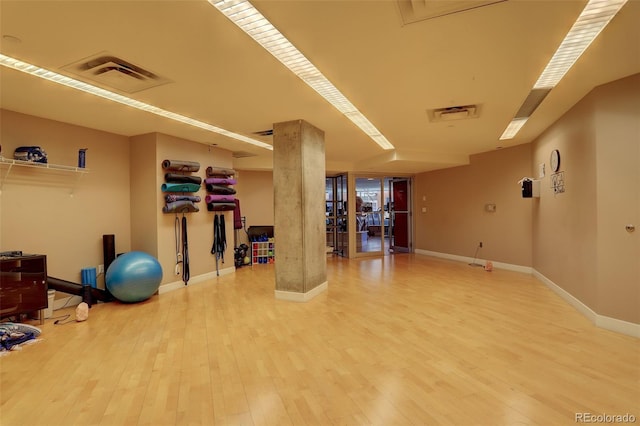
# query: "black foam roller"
108, 249
86, 294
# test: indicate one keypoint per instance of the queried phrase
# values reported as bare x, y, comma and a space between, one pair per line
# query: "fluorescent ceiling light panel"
97, 91
593, 19
595, 16
513, 128
250, 20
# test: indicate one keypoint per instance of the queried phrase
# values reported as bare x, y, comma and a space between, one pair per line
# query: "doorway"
369, 232
399, 208
383, 215
336, 215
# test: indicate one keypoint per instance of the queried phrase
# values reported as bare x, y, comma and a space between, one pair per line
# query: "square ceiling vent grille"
111, 72
419, 10
453, 113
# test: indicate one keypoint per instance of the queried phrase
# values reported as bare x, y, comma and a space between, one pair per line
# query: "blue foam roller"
89, 276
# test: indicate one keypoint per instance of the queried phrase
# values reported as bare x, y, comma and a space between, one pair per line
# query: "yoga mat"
219, 198
173, 197
180, 187
181, 166
219, 172
220, 181
214, 207
180, 207
178, 178
220, 189
237, 216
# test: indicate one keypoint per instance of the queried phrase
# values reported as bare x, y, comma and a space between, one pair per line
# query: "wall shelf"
11, 162
9, 165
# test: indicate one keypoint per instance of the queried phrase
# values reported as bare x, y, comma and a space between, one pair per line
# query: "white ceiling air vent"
419, 10
111, 72
242, 154
453, 113
268, 132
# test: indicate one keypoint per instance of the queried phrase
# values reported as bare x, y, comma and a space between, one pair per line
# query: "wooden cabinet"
23, 284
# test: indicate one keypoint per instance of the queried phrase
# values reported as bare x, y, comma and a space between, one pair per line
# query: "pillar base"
293, 296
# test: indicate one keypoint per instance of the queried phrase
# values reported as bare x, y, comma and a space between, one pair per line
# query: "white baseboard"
608, 323
498, 265
175, 285
293, 296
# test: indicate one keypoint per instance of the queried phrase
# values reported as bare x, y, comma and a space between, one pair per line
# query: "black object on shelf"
255, 232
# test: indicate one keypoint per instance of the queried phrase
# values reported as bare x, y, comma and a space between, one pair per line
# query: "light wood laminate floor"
399, 340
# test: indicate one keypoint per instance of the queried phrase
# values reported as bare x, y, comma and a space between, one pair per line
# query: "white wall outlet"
100, 269
541, 170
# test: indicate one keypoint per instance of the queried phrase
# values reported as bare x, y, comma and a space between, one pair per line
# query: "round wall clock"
555, 160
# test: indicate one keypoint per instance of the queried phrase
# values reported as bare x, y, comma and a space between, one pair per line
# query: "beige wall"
255, 192
144, 194
64, 215
199, 224
565, 224
617, 116
455, 220
579, 238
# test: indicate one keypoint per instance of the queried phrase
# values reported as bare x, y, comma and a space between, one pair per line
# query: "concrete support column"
299, 216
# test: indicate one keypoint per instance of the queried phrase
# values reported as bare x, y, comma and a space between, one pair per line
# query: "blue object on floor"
89, 276
133, 277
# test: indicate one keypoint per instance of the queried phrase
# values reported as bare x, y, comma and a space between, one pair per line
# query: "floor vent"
111, 72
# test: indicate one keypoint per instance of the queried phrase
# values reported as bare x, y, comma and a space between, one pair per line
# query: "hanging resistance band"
219, 239
185, 252
176, 231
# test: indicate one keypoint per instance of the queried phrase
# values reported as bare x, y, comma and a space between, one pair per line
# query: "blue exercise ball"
133, 277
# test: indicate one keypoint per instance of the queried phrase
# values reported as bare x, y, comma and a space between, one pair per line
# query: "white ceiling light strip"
593, 19
250, 20
513, 128
34, 70
595, 16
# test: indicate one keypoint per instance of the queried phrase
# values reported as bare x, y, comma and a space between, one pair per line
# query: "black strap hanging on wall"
219, 239
214, 246
177, 232
185, 251
223, 238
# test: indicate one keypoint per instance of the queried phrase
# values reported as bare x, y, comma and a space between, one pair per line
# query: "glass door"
336, 214
369, 233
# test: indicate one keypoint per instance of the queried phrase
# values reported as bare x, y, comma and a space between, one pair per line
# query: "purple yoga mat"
210, 198
220, 181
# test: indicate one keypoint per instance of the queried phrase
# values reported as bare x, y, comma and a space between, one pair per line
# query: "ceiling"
391, 70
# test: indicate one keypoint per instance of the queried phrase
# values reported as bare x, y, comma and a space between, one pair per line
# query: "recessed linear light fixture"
251, 21
36, 71
593, 19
